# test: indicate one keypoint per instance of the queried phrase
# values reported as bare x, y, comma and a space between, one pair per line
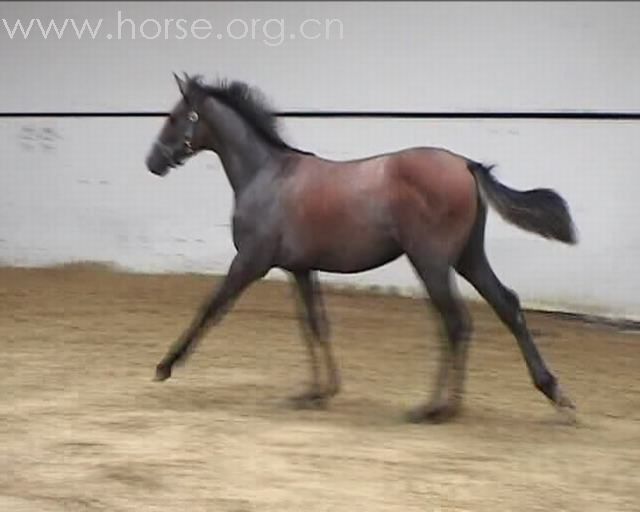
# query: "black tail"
540, 210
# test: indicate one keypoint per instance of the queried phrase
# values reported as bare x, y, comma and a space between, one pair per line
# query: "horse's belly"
352, 259
345, 248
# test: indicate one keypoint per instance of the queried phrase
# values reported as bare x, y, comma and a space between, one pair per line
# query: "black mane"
251, 105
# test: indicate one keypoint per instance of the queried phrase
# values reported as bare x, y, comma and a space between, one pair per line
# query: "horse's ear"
182, 84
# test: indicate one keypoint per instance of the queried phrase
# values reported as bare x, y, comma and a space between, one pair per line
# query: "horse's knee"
459, 325
320, 330
466, 323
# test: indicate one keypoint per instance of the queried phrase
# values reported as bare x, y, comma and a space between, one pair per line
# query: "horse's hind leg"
315, 329
447, 399
474, 267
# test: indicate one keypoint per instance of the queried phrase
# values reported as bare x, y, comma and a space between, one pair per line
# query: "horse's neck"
241, 151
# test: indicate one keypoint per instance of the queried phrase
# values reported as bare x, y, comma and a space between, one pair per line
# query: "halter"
168, 151
193, 117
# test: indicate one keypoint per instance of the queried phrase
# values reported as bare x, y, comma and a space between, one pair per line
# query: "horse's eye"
172, 120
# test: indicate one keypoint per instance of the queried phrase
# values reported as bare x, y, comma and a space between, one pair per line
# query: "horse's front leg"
246, 267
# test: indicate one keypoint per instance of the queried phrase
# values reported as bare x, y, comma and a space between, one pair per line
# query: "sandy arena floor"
83, 427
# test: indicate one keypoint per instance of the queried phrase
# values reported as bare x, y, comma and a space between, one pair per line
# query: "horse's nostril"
159, 171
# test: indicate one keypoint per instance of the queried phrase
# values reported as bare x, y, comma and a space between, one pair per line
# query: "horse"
303, 214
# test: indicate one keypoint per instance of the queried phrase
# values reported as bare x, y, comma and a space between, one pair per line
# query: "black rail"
604, 116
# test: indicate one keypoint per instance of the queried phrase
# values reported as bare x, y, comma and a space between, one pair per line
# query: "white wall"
405, 56
76, 188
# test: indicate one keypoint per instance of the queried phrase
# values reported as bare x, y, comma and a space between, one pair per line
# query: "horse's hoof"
312, 400
562, 401
436, 413
568, 414
162, 373
565, 406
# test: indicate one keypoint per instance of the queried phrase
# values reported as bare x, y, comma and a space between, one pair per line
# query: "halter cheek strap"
193, 117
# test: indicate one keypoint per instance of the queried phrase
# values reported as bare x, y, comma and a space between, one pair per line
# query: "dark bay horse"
301, 213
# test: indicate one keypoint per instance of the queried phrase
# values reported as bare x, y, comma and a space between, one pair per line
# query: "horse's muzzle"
157, 165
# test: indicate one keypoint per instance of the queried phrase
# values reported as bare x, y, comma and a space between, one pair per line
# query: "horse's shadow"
267, 402
272, 403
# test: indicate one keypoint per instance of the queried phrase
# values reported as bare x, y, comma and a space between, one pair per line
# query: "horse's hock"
84, 428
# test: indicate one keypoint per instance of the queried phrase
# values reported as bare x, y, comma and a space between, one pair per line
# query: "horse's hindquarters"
434, 202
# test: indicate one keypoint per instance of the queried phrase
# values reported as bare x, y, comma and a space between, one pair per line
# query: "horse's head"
182, 134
